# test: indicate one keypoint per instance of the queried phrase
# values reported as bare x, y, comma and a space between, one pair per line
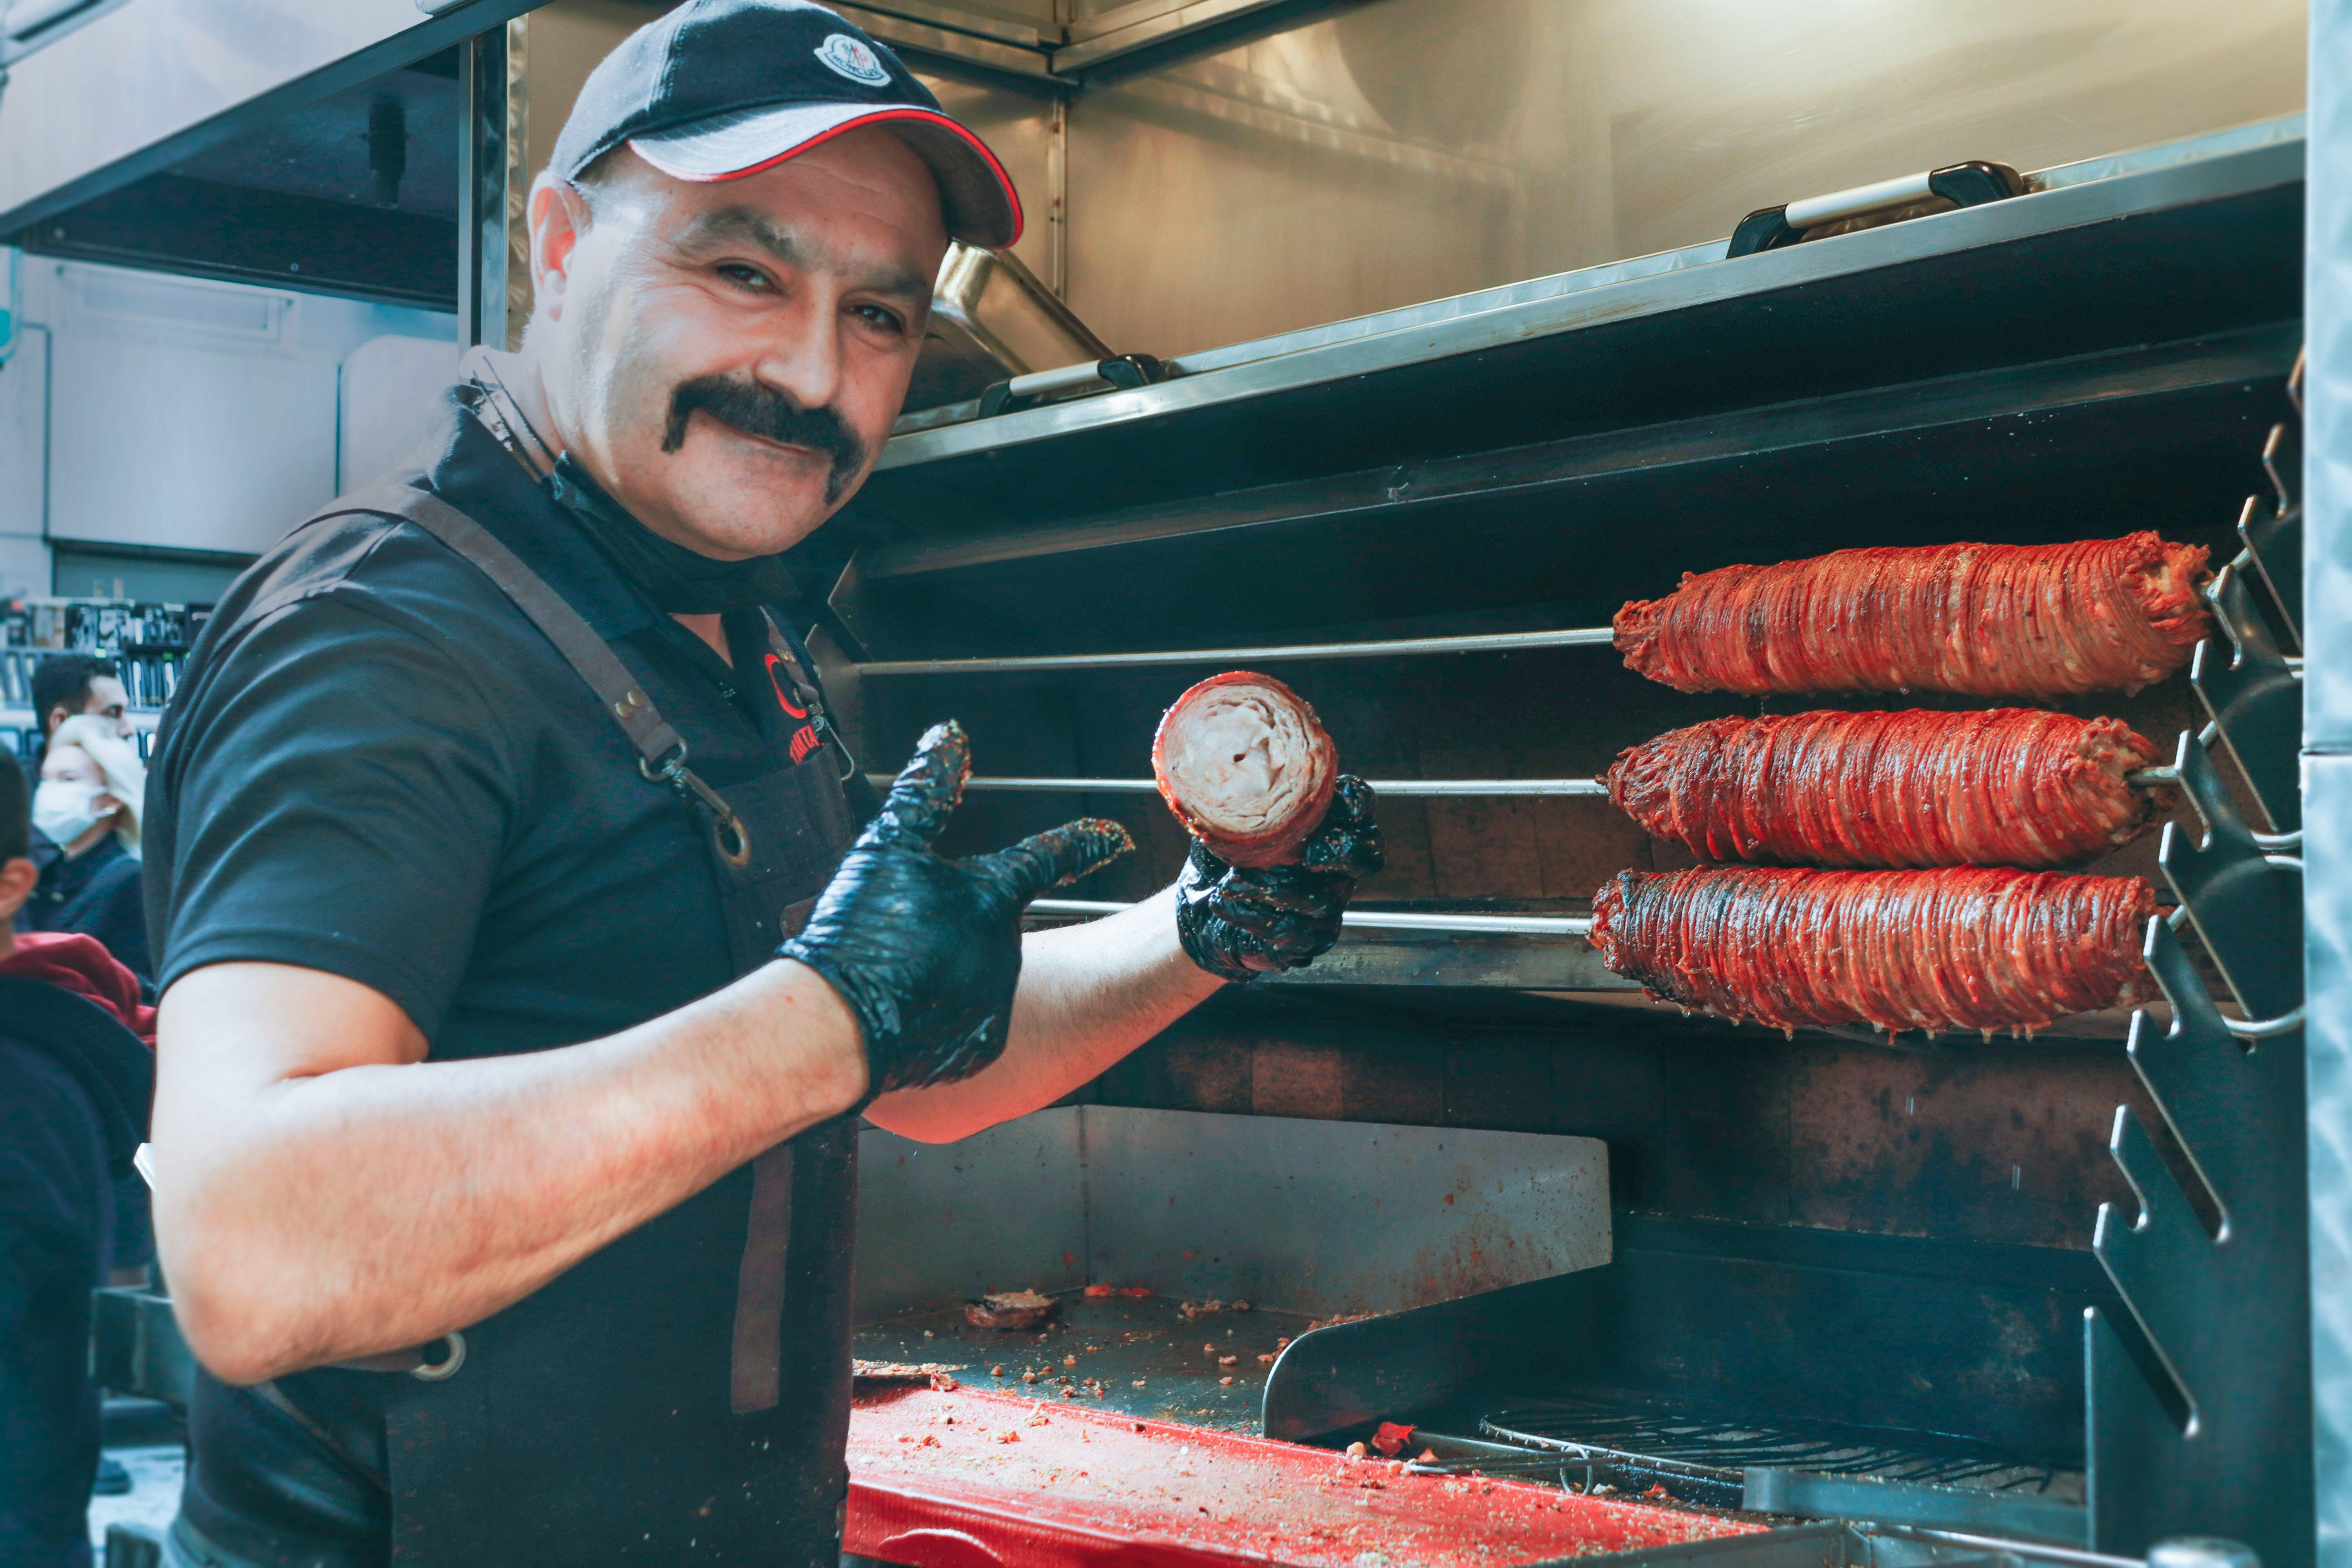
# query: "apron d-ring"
446, 1367
728, 834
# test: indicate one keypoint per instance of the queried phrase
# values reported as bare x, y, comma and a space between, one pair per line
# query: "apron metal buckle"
729, 835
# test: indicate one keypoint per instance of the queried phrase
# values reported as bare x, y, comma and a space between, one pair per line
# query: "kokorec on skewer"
2008, 786
1246, 765
1954, 948
1280, 837
1981, 620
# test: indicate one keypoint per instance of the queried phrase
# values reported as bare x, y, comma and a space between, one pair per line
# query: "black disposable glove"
1237, 922
926, 950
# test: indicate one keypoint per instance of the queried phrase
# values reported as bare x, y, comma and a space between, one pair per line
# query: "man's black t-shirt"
379, 768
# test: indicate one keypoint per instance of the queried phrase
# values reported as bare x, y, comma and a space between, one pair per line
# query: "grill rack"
1647, 1435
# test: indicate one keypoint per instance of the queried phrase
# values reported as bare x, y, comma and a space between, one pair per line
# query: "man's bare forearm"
1089, 995
322, 1193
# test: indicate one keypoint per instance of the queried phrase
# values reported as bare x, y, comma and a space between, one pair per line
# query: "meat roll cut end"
2008, 786
1956, 948
1245, 764
1981, 620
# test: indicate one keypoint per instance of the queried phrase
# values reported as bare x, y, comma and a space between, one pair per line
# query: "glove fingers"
1204, 860
1352, 802
1348, 841
1058, 855
926, 790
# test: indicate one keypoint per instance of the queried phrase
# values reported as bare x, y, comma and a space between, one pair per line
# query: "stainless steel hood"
151, 82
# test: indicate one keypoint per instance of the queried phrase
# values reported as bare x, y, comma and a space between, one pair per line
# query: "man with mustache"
524, 965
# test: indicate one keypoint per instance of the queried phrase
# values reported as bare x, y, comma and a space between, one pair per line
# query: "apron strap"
866, 801
756, 1366
661, 750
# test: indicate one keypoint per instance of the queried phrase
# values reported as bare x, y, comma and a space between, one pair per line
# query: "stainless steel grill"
1627, 1432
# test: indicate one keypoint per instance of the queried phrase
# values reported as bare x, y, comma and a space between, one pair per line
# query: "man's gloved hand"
926, 950
1237, 922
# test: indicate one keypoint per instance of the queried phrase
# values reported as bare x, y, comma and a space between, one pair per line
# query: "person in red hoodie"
77, 1075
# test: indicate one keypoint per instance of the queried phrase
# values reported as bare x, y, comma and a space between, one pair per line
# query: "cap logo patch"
844, 56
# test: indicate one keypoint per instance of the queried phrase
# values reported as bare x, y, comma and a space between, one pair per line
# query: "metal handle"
1042, 383
1967, 185
1900, 191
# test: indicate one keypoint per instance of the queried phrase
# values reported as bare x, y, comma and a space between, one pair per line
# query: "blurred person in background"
71, 684
87, 806
92, 787
77, 1075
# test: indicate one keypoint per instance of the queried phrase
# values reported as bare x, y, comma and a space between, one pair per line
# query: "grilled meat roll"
1955, 948
1245, 764
2009, 786
1982, 620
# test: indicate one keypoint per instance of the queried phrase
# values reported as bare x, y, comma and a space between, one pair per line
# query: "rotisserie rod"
1981, 620
1984, 620
2008, 786
1954, 948
2003, 787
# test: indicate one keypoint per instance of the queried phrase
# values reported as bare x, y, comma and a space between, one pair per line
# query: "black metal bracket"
2188, 1432
1765, 228
2199, 1424
2274, 532
2254, 699
1976, 181
2244, 902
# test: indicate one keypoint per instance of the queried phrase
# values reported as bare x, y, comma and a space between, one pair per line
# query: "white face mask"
64, 810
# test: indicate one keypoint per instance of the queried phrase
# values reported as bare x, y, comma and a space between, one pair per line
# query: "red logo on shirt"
805, 738
783, 691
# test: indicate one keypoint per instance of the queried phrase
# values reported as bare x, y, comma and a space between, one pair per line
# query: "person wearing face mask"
89, 804
76, 1078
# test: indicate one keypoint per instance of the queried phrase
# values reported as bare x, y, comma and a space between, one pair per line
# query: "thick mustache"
772, 416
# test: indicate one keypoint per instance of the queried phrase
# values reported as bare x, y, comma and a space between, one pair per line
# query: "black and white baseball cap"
717, 89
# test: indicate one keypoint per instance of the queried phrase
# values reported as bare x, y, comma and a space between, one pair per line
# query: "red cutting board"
973, 1480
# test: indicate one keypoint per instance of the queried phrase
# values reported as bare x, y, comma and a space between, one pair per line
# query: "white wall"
147, 410
389, 405
24, 462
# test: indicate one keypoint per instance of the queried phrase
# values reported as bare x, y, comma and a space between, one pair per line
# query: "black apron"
683, 1395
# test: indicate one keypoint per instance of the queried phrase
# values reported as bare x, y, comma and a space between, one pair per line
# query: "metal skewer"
1579, 926
2145, 778
1381, 786
1498, 642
